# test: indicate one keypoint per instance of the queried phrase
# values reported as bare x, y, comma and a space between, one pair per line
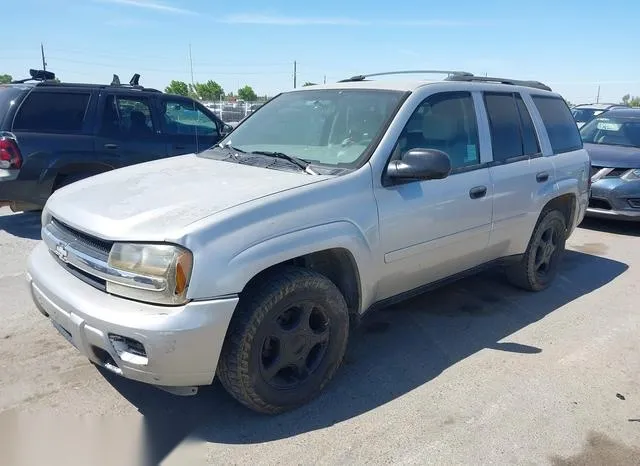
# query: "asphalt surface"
474, 373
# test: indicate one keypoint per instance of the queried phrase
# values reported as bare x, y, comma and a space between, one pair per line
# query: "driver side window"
446, 122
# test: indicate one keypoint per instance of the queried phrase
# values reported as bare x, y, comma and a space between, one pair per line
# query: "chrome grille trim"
92, 259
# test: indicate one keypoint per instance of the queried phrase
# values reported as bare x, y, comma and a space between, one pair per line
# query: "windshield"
582, 115
618, 131
326, 127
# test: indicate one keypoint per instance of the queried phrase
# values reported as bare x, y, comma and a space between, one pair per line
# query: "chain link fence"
232, 111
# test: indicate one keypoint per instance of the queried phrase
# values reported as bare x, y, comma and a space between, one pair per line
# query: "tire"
285, 341
547, 243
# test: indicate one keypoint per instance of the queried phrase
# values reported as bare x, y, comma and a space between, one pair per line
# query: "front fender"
245, 265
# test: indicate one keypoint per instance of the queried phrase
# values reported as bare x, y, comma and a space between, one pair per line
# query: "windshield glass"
616, 131
326, 127
582, 115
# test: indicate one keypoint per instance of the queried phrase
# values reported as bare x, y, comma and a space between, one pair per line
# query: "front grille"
86, 244
72, 235
599, 204
614, 173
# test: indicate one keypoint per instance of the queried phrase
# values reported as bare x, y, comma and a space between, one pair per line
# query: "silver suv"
250, 260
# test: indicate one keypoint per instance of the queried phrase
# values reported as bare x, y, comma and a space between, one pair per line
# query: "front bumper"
615, 198
181, 344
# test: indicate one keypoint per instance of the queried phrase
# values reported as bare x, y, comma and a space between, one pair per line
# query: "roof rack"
362, 77
37, 75
514, 82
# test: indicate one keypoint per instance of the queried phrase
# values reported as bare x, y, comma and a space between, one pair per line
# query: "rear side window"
559, 123
8, 97
52, 112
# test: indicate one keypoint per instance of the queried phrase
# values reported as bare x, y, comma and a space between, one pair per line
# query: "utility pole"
295, 73
598, 96
44, 63
193, 84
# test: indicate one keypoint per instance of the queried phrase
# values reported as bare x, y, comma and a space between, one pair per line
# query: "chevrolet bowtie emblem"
61, 252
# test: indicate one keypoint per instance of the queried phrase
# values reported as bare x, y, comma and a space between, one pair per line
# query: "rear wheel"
539, 266
285, 342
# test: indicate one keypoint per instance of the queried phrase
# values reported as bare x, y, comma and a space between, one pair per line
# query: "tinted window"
185, 118
447, 122
529, 138
504, 122
559, 123
8, 97
127, 116
52, 112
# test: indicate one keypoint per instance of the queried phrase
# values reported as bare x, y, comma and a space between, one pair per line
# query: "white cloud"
151, 5
277, 20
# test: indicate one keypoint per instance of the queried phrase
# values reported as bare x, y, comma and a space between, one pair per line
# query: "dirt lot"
475, 373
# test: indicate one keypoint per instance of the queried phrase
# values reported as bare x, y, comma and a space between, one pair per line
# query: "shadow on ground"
395, 351
618, 227
23, 225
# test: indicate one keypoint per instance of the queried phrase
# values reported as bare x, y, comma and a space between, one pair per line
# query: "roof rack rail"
514, 82
134, 83
37, 75
362, 77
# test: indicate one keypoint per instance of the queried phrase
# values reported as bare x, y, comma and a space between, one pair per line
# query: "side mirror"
226, 129
420, 164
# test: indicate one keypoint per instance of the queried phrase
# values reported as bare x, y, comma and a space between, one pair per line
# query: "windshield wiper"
232, 150
303, 164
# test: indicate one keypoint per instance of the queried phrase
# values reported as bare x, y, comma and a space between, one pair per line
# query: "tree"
631, 101
210, 90
309, 84
247, 94
178, 88
5, 78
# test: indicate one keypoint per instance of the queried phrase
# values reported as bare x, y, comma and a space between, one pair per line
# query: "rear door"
128, 131
187, 127
53, 128
520, 173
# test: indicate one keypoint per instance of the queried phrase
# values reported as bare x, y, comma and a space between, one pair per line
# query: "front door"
432, 229
187, 127
128, 133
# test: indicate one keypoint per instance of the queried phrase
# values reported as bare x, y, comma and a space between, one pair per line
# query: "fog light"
129, 350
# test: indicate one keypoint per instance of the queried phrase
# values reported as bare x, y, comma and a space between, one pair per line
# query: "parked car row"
250, 261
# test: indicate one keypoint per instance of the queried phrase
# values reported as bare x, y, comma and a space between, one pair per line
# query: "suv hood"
603, 155
150, 201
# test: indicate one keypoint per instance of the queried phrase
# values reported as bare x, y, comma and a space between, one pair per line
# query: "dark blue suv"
52, 133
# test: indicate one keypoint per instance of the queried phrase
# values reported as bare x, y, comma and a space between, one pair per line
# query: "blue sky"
571, 45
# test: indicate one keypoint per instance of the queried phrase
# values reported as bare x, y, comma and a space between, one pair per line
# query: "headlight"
632, 175
155, 273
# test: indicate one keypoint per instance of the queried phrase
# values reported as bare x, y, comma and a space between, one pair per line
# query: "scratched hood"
603, 155
152, 201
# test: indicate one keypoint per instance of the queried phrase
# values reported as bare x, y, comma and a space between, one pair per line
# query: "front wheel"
539, 266
285, 342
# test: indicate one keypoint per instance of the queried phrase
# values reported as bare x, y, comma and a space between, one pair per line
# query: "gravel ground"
474, 373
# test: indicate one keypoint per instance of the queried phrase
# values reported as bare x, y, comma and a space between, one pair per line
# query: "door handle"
542, 177
477, 192
111, 146
179, 147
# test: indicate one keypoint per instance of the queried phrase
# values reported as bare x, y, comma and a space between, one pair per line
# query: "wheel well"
79, 168
338, 265
566, 204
